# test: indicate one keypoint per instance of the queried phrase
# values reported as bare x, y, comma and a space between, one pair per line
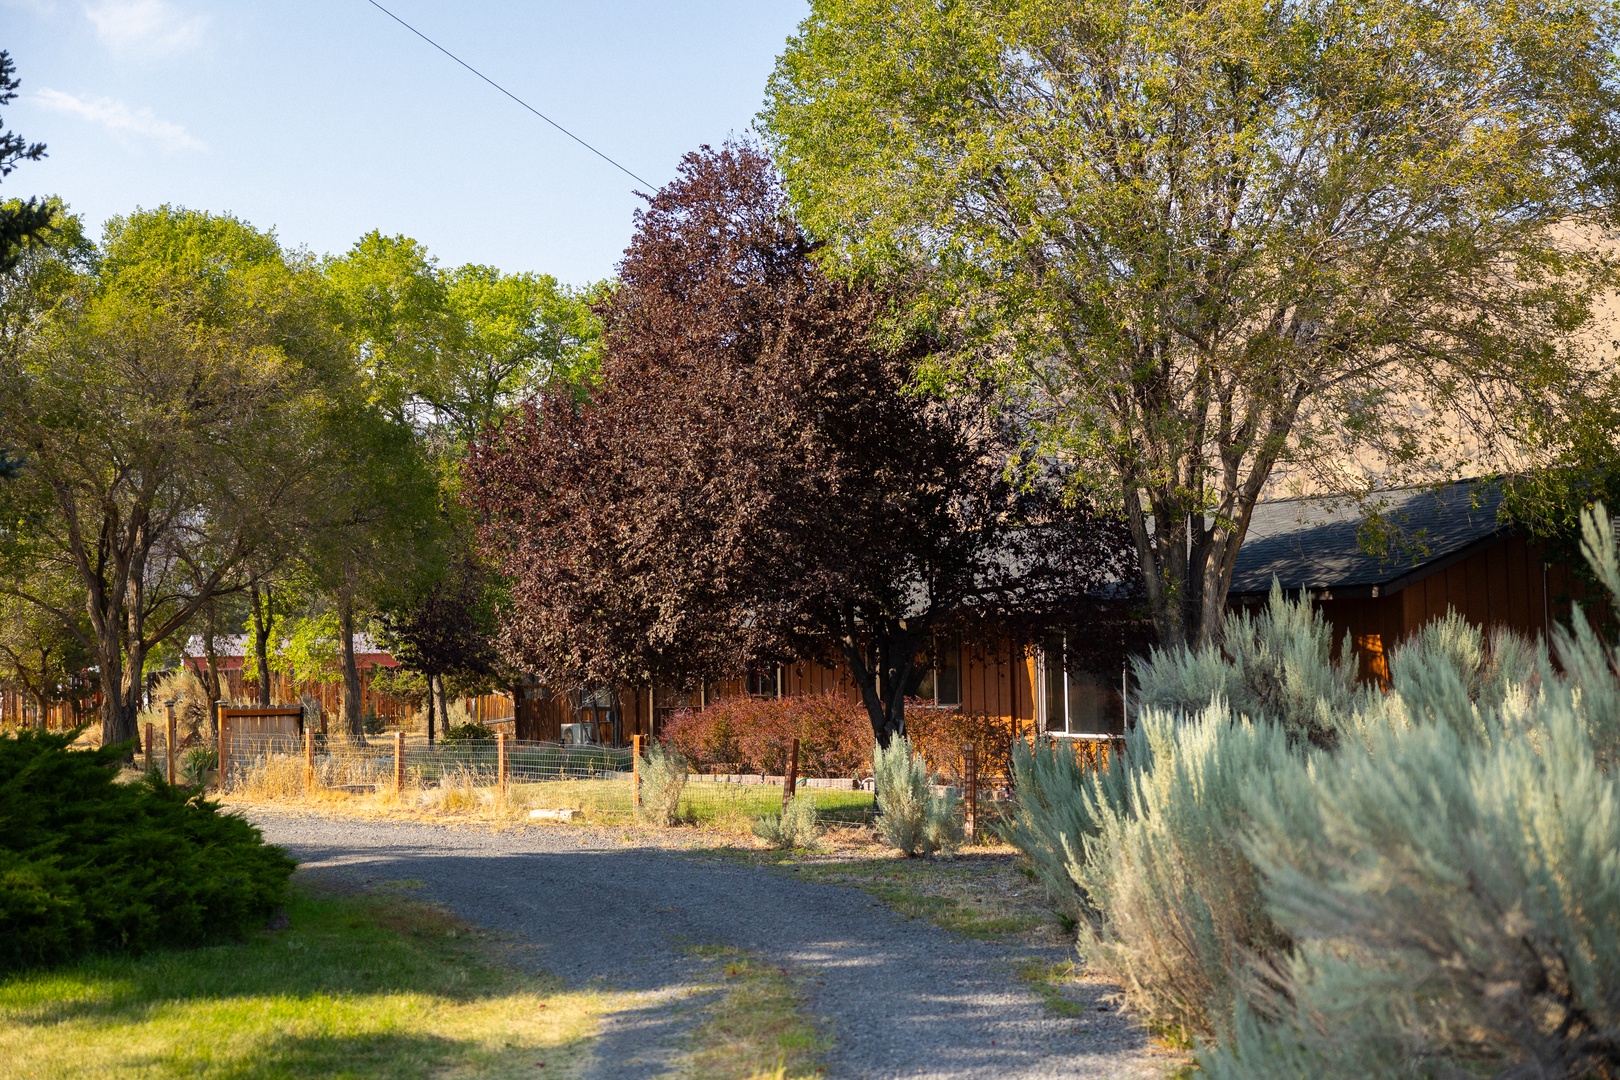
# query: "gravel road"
899, 997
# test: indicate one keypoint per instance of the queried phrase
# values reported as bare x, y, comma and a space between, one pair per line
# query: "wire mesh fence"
508, 776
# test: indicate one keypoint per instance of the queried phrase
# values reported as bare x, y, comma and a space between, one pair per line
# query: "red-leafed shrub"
751, 735
940, 734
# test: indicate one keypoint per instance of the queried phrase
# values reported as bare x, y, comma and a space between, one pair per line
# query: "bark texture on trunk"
436, 703
262, 625
353, 721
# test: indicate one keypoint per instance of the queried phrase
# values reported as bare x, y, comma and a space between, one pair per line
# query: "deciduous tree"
758, 476
162, 393
1223, 238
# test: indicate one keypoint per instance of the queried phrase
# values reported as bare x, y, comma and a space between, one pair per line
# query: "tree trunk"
40, 721
882, 669
262, 624
120, 695
353, 722
436, 703
211, 679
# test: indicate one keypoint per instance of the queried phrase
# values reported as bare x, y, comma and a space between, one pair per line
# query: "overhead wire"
509, 94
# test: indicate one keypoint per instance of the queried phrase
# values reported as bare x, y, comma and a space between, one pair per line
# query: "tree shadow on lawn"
339, 943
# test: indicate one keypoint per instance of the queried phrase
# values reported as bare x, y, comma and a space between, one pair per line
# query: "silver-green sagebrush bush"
1453, 883
1178, 900
911, 817
663, 778
1053, 817
1433, 893
1276, 663
795, 827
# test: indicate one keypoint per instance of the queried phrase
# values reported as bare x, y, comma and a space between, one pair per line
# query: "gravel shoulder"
899, 996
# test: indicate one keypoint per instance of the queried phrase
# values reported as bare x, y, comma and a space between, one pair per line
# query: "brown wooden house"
1447, 549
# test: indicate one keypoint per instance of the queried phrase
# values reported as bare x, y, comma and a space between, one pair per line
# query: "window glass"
1052, 675
1088, 700
925, 683
948, 672
762, 682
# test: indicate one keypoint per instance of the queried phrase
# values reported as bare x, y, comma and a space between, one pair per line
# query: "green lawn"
703, 802
358, 986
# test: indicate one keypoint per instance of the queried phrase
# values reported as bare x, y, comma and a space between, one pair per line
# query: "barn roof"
1316, 544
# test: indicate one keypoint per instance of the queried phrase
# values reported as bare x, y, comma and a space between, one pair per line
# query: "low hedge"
92, 865
751, 735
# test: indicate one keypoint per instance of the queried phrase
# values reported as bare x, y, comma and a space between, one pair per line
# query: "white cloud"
151, 25
120, 119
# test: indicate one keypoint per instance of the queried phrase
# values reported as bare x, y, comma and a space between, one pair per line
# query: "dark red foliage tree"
758, 477
445, 629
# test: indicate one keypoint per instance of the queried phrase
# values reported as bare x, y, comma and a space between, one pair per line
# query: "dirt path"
900, 997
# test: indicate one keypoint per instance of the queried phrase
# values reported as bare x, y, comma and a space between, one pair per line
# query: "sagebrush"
1333, 882
911, 816
795, 827
663, 773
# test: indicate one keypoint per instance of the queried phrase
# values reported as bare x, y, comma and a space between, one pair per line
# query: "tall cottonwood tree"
757, 477
162, 390
1225, 237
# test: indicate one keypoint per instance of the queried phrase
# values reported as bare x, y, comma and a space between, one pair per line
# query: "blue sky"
325, 119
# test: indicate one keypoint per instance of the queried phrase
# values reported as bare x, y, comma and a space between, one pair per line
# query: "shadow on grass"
337, 944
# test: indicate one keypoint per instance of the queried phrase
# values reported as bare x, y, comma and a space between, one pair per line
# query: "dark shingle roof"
1307, 543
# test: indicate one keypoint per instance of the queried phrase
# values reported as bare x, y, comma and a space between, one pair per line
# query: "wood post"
970, 778
224, 755
500, 761
168, 745
309, 759
150, 735
399, 762
790, 782
635, 772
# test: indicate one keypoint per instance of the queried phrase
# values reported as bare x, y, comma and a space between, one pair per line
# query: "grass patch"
756, 1029
704, 803
357, 987
1046, 980
966, 895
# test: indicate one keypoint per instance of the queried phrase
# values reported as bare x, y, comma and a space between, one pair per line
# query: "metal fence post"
399, 762
635, 772
500, 760
168, 744
790, 782
970, 778
224, 755
309, 758
150, 735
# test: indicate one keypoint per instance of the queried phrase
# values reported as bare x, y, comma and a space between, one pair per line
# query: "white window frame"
1042, 673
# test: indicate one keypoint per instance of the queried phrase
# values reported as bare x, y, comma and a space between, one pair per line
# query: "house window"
941, 679
1074, 701
765, 682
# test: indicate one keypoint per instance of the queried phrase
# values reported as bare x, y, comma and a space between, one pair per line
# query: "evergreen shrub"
663, 772
1275, 663
1180, 902
467, 732
92, 865
1053, 817
911, 817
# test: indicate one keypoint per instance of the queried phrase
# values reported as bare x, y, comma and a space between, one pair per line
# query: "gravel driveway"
900, 997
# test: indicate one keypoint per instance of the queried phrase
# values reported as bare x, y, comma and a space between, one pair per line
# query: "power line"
509, 94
